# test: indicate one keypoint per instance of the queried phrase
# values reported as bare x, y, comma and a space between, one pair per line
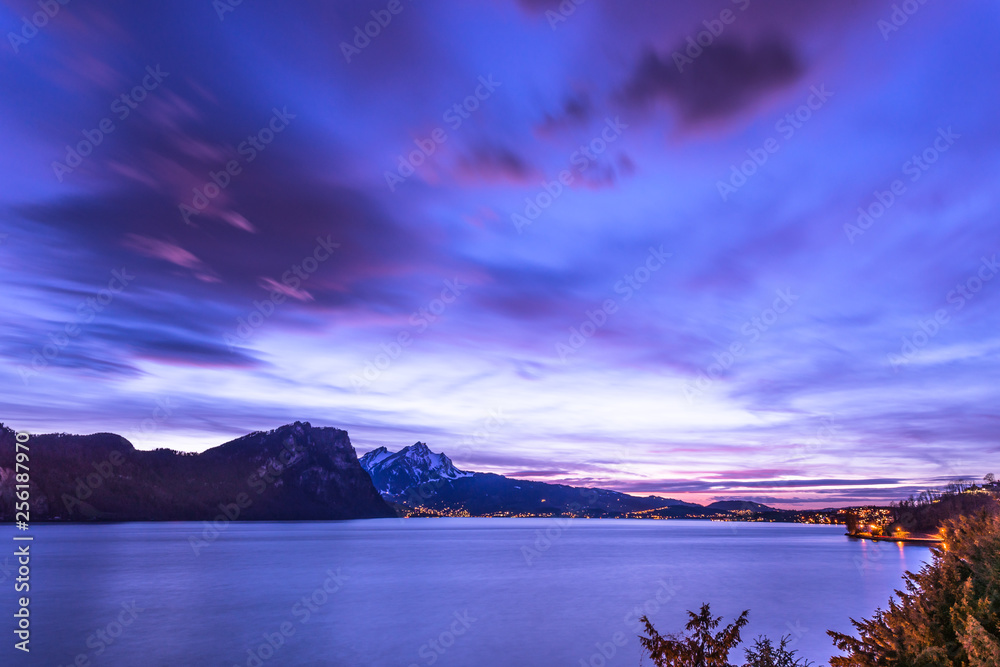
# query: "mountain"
411, 466
729, 505
295, 472
418, 478
490, 494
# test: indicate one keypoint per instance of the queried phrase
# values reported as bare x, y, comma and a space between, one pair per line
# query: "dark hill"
925, 519
728, 505
487, 493
294, 472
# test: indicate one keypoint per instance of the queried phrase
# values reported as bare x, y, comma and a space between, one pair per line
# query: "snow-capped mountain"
394, 473
416, 477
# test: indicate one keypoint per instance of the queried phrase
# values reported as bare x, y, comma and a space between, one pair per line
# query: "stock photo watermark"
420, 320
301, 611
605, 651
266, 476
582, 159
454, 116
103, 470
290, 286
248, 149
86, 311
30, 25
825, 435
882, 200
546, 538
596, 319
696, 44
752, 330
900, 16
85, 485
928, 328
494, 420
491, 424
562, 12
160, 414
101, 639
223, 7
22, 543
787, 127
122, 106
363, 35
434, 648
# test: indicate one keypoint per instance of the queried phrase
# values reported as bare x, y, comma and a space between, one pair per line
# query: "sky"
703, 250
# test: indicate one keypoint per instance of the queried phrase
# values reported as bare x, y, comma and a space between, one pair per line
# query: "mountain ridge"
294, 472
414, 485
410, 466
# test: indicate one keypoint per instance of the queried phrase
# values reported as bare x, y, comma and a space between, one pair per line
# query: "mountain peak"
303, 435
373, 457
294, 472
418, 451
410, 466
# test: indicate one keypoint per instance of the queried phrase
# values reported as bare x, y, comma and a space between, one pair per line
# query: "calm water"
434, 591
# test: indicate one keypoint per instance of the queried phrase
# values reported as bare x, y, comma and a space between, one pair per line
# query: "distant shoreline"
925, 541
108, 522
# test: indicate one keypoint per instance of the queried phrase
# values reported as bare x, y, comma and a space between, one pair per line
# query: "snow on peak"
374, 457
413, 465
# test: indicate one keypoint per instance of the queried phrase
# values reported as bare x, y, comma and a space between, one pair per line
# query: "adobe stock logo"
595, 320
918, 165
787, 126
86, 311
291, 286
562, 12
420, 320
454, 116
222, 7
582, 158
899, 17
122, 106
30, 26
714, 28
928, 329
752, 329
249, 149
381, 18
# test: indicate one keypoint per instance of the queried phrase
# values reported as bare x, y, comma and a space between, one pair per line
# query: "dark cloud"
323, 177
700, 486
805, 483
577, 109
537, 6
491, 163
536, 473
725, 78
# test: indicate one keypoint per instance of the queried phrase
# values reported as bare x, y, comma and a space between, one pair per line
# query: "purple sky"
573, 286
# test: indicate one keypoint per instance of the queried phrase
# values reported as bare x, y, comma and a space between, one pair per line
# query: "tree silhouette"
949, 615
765, 654
701, 647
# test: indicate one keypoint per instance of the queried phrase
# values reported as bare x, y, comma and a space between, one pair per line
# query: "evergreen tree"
949, 615
765, 654
702, 647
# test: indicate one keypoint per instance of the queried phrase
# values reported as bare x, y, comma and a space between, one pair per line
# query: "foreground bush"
703, 647
949, 615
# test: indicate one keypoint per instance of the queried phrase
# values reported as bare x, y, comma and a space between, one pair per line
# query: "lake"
485, 592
